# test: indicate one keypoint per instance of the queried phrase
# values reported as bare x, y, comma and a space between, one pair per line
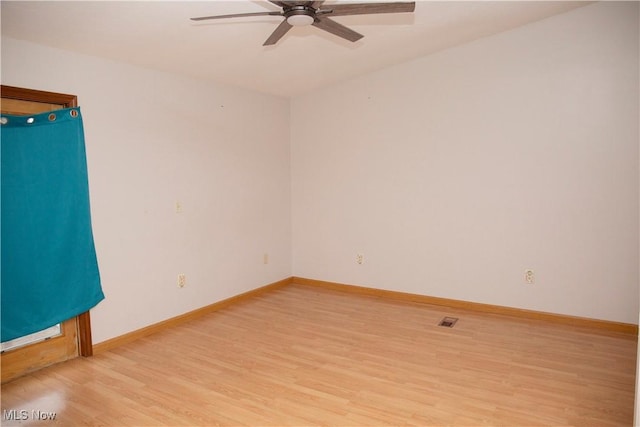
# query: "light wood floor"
308, 356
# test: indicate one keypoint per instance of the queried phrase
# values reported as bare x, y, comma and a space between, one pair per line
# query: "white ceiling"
159, 35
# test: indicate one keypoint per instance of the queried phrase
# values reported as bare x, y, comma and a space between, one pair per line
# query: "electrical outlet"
265, 258
529, 277
182, 280
360, 258
178, 207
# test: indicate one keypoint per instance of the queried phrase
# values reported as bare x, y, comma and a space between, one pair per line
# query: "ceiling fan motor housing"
300, 15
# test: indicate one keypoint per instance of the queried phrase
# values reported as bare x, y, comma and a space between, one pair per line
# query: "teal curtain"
49, 267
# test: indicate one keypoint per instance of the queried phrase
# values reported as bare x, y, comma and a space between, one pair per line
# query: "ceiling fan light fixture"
300, 20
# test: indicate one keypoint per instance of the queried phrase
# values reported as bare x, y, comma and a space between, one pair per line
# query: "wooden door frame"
85, 344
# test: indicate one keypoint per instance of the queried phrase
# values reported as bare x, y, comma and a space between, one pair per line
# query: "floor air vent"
448, 322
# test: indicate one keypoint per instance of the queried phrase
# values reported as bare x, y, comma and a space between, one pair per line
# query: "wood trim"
23, 94
604, 325
594, 324
186, 317
85, 346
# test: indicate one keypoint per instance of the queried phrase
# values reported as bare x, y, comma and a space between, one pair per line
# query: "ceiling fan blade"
367, 8
339, 30
278, 33
237, 15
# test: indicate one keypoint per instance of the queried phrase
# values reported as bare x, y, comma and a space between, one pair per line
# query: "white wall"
455, 172
154, 139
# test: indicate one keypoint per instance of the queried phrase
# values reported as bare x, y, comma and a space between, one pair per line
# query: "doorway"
74, 336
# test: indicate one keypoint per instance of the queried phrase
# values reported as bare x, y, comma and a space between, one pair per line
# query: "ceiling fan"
300, 13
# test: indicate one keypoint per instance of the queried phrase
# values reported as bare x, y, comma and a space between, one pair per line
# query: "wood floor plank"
302, 355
